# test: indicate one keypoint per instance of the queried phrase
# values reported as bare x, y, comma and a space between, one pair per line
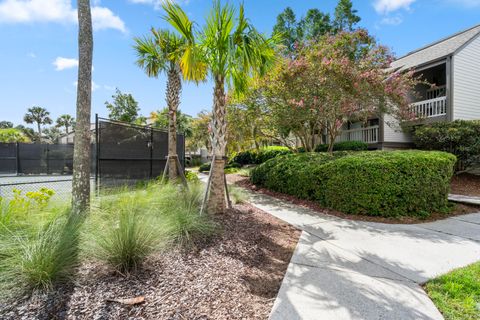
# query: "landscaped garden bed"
406, 187
230, 271
466, 184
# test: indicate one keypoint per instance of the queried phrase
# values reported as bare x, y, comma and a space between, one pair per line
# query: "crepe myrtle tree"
229, 50
340, 78
81, 151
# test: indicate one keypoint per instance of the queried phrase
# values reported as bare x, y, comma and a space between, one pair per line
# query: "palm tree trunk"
174, 88
216, 203
81, 151
39, 126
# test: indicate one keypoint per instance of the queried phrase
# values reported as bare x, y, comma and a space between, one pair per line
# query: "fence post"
97, 153
151, 153
17, 156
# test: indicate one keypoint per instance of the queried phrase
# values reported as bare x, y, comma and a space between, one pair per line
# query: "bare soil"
466, 184
236, 275
457, 209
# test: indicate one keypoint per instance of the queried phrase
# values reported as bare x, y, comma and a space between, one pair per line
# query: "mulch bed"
236, 275
458, 209
466, 184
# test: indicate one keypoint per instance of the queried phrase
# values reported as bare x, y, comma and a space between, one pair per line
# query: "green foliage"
237, 195
126, 227
40, 252
184, 121
191, 176
20, 207
345, 16
123, 108
344, 146
65, 121
400, 183
460, 137
12, 136
205, 167
457, 293
254, 156
6, 125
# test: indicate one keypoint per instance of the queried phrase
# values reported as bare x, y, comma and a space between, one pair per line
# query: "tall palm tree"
159, 53
66, 121
230, 50
81, 149
39, 116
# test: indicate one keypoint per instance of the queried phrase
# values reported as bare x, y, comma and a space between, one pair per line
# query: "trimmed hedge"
206, 166
344, 146
389, 184
460, 137
259, 156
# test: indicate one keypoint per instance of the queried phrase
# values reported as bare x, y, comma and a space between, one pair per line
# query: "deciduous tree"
123, 107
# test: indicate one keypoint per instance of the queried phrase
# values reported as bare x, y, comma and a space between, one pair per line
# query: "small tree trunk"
216, 203
39, 126
81, 150
174, 88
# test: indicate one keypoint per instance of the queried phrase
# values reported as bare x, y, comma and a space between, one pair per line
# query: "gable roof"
436, 50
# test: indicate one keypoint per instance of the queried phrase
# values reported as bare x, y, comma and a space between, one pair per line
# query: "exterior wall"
392, 132
466, 82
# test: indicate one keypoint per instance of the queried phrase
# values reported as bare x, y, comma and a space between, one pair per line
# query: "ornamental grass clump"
40, 254
126, 227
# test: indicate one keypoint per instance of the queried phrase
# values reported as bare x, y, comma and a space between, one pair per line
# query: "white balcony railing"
430, 108
368, 135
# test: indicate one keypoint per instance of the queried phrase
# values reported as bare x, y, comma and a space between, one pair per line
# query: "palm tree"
40, 116
66, 121
81, 149
161, 53
230, 50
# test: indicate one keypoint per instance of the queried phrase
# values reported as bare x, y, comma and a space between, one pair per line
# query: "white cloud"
62, 63
60, 11
32, 55
386, 6
94, 85
393, 21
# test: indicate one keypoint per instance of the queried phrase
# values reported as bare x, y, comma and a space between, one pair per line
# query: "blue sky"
38, 48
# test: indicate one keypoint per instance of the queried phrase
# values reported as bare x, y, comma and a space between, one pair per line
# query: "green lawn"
457, 294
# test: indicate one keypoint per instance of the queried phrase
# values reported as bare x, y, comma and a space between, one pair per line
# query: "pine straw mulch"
236, 275
466, 184
458, 209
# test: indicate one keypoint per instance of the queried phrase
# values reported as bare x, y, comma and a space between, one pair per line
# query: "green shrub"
205, 167
460, 137
246, 157
191, 176
268, 153
399, 183
344, 146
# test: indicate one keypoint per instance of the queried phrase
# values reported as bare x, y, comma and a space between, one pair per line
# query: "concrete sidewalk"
343, 269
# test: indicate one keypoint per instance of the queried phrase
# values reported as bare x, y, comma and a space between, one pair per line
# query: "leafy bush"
205, 167
460, 137
246, 157
191, 176
11, 135
268, 153
399, 183
344, 146
259, 156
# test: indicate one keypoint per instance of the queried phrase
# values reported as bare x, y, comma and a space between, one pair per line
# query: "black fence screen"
128, 153
36, 158
8, 158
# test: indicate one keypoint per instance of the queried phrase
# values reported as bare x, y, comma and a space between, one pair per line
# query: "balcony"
429, 108
367, 135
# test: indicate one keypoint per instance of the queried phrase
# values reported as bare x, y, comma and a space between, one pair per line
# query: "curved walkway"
343, 269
